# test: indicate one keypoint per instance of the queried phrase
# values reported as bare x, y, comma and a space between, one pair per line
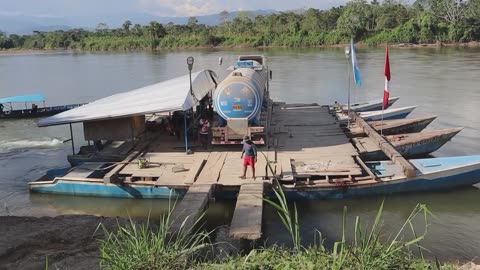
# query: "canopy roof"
25, 98
167, 96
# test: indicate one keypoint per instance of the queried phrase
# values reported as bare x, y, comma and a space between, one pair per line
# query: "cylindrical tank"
240, 95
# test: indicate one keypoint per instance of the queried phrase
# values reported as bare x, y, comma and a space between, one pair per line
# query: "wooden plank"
190, 208
213, 166
287, 174
364, 166
247, 217
386, 147
112, 174
194, 171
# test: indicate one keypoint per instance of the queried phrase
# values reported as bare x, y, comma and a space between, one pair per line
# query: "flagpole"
381, 129
347, 55
386, 72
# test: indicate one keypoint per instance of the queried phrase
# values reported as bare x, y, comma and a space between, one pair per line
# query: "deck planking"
310, 142
247, 217
190, 208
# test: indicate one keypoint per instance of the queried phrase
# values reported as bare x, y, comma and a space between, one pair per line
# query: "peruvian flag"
386, 72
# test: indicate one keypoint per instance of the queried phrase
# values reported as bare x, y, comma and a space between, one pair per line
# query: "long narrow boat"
388, 114
408, 145
371, 105
7, 110
396, 126
432, 174
400, 126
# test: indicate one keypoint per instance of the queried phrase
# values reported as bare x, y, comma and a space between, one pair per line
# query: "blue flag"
356, 71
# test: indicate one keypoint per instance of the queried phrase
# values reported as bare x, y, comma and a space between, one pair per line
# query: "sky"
65, 8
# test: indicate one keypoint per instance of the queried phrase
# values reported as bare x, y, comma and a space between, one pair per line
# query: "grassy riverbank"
138, 246
370, 23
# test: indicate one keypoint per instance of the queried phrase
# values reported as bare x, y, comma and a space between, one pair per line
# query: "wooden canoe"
409, 144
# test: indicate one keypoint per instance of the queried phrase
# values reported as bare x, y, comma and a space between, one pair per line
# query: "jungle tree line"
371, 22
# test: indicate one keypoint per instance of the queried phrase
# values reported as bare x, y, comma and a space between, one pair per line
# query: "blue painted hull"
435, 174
392, 117
417, 185
432, 175
373, 105
77, 188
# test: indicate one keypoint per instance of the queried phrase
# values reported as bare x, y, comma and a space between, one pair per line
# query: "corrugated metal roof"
171, 95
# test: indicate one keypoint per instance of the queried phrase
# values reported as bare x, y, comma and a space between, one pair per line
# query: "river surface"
445, 82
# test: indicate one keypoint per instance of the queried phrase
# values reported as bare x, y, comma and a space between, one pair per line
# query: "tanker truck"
240, 102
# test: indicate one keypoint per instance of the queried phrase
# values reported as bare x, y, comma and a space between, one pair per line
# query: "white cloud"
180, 7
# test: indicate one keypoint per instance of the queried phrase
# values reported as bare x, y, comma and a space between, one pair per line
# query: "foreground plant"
140, 246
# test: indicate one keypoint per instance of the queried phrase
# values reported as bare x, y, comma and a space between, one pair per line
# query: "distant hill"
27, 24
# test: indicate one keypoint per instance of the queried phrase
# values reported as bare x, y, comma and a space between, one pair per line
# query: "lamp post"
347, 56
190, 61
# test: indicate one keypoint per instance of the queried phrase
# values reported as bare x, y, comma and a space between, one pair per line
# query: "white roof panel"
171, 95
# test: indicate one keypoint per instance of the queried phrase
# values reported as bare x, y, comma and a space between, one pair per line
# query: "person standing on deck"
204, 129
250, 152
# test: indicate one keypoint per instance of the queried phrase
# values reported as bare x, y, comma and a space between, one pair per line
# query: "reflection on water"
441, 81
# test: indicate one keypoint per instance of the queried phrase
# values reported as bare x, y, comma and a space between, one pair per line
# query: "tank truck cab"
241, 102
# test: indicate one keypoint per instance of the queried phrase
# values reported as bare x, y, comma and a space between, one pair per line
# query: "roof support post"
71, 138
186, 131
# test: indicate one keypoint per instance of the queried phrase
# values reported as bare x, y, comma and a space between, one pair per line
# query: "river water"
441, 81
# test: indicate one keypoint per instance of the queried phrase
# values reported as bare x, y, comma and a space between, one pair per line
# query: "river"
442, 81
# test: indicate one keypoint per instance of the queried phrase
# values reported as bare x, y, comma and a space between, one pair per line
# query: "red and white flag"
386, 72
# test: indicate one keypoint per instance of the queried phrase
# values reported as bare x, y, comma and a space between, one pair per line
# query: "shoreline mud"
62, 242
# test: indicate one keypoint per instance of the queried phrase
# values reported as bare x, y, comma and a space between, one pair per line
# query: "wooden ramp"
247, 218
190, 208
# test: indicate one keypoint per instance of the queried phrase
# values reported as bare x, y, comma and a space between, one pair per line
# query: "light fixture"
190, 61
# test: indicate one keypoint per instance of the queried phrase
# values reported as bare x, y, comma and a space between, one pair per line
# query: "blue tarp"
25, 98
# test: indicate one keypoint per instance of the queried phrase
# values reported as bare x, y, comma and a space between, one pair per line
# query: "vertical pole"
381, 129
71, 137
348, 73
191, 90
186, 131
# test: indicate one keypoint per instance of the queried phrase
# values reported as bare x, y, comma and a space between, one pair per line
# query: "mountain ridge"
27, 24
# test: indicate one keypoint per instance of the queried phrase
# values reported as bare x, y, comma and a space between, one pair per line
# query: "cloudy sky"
65, 8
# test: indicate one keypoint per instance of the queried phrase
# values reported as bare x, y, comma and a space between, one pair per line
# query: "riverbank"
472, 44
30, 51
73, 242
62, 242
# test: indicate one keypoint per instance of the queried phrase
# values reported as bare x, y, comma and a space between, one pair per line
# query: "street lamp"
190, 61
347, 55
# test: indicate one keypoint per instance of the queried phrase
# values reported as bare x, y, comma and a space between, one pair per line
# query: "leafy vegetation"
140, 246
392, 21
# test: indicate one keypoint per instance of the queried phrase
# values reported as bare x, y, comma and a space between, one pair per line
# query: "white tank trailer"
240, 102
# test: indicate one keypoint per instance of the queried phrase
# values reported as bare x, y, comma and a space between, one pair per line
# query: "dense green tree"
372, 22
126, 26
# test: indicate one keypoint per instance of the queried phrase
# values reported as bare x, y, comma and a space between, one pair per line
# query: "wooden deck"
306, 141
311, 143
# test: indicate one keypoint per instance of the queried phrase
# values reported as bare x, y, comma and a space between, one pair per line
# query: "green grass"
137, 245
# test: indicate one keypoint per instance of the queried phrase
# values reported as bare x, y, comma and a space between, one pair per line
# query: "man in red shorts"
250, 152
